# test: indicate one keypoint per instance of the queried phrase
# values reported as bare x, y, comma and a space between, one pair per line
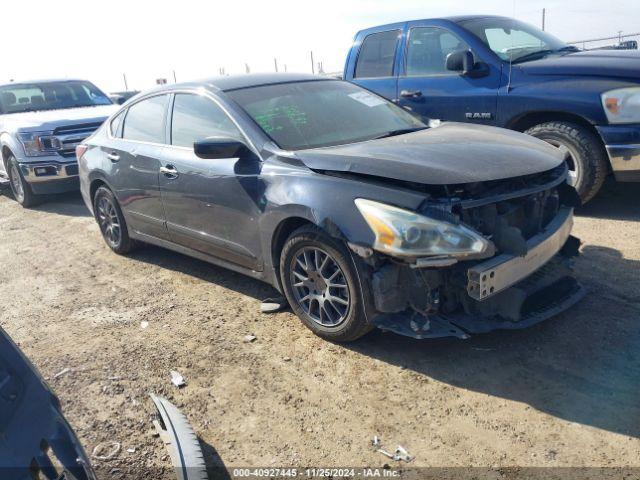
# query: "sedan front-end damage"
521, 277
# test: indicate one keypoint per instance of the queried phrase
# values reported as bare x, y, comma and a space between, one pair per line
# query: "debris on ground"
62, 372
400, 453
180, 440
273, 305
286, 359
106, 450
177, 379
131, 450
144, 324
249, 338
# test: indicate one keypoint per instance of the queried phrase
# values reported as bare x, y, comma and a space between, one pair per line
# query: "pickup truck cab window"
427, 50
145, 120
196, 117
377, 55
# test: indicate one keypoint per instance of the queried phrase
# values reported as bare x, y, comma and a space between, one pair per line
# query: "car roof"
454, 19
46, 80
235, 82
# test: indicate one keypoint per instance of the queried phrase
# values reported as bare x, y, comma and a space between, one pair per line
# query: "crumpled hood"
449, 154
601, 63
51, 119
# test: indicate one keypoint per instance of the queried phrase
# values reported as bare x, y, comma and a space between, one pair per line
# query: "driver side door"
209, 204
426, 87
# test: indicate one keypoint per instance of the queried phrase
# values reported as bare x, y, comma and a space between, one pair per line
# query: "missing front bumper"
547, 293
499, 273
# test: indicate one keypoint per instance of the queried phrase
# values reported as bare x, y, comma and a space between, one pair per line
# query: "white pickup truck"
41, 122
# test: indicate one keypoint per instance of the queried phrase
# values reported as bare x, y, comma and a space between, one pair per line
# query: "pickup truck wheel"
19, 186
320, 282
587, 160
111, 221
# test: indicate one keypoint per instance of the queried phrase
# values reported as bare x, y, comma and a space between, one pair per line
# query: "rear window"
377, 55
145, 120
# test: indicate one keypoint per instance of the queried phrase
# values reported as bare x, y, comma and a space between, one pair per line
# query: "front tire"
111, 221
321, 284
19, 186
587, 161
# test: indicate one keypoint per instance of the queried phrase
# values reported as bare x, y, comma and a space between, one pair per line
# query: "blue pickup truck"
499, 71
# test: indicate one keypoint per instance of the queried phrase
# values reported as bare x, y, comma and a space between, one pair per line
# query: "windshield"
512, 40
31, 97
322, 113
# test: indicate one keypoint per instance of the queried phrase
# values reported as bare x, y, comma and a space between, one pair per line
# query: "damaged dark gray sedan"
360, 214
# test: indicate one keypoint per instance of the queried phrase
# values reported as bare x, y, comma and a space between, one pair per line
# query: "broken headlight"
408, 234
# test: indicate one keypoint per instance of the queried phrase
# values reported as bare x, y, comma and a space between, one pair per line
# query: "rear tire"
19, 186
111, 221
588, 163
317, 266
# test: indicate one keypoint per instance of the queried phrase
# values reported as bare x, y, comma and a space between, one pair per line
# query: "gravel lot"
563, 393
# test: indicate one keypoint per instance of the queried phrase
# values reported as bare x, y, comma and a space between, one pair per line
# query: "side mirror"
460, 61
215, 148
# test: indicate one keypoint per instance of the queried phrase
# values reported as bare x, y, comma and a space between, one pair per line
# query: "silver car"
41, 123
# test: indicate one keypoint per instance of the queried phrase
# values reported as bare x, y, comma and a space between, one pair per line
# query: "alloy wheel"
109, 222
319, 286
16, 183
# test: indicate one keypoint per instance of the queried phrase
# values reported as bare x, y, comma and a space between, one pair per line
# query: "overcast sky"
146, 40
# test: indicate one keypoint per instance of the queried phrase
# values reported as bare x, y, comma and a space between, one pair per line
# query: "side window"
196, 118
145, 120
428, 48
377, 55
115, 124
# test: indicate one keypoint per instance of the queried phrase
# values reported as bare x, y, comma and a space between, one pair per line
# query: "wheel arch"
5, 152
280, 234
290, 224
527, 120
95, 184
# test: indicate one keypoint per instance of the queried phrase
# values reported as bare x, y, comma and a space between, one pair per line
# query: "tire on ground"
355, 324
585, 148
28, 198
126, 244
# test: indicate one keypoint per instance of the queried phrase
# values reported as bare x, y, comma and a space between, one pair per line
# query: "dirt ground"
564, 393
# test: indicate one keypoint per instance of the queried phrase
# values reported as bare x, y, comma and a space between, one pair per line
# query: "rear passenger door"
376, 66
426, 87
134, 158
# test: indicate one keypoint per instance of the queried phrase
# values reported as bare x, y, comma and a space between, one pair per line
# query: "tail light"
80, 149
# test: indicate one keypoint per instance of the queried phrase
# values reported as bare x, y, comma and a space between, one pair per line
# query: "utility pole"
175, 80
275, 63
313, 67
126, 87
544, 17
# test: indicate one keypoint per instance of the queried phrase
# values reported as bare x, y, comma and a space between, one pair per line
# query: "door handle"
411, 93
114, 157
169, 171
